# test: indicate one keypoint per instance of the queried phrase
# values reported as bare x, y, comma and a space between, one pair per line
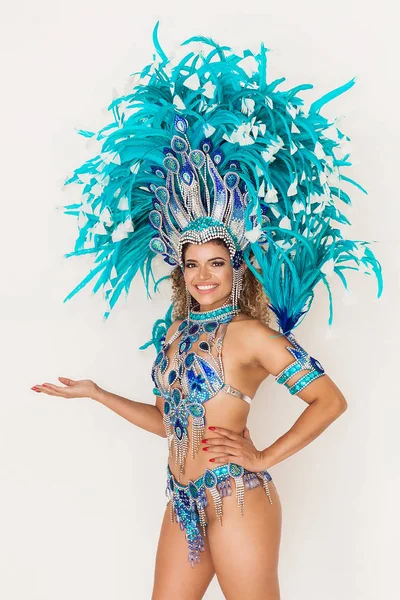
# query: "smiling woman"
233, 183
252, 301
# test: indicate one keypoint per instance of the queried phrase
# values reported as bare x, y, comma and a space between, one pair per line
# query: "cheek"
226, 277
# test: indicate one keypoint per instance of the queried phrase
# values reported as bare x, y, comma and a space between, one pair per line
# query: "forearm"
145, 416
311, 423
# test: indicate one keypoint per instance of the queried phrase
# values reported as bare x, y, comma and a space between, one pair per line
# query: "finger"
46, 390
224, 448
55, 388
224, 458
227, 433
215, 441
66, 380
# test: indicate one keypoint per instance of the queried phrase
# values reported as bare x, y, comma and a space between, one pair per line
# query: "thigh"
174, 576
245, 549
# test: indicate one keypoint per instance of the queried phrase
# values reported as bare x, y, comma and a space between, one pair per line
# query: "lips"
206, 288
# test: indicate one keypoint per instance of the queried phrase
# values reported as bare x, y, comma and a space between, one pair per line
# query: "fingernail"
205, 448
212, 460
212, 428
204, 441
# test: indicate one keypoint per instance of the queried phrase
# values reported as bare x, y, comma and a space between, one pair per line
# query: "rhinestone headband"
197, 204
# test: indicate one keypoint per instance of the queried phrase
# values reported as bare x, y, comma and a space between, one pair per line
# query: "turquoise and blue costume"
204, 147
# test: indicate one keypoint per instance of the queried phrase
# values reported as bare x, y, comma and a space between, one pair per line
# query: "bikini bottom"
187, 502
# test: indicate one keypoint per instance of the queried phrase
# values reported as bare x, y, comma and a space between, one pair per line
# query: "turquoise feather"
291, 238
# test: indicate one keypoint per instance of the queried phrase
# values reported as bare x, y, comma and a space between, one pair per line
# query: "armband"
303, 361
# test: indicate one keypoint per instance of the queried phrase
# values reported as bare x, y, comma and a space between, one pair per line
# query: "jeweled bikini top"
192, 376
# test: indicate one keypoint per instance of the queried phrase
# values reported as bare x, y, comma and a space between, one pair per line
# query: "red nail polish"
204, 441
205, 448
212, 460
212, 428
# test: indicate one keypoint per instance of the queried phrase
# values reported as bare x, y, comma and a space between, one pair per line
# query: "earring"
188, 302
237, 285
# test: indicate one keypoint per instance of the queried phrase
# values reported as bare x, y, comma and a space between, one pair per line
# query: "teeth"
206, 287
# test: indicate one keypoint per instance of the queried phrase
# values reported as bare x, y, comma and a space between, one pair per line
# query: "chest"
190, 365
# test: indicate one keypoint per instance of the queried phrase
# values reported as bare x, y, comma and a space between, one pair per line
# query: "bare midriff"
223, 410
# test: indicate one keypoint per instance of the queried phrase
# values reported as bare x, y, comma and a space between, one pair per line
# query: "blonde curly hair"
252, 301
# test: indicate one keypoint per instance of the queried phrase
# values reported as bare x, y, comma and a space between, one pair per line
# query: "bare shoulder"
247, 326
261, 343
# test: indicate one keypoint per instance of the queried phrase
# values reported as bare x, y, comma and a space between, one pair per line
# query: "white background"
82, 490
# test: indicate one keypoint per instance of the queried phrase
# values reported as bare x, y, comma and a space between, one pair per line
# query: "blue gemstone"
189, 360
176, 396
184, 345
210, 479
180, 123
172, 376
159, 358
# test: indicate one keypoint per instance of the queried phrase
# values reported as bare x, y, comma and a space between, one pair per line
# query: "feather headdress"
288, 162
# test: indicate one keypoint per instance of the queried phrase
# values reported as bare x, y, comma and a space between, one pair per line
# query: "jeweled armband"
303, 361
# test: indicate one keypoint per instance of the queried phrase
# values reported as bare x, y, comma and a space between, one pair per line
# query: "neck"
215, 305
222, 312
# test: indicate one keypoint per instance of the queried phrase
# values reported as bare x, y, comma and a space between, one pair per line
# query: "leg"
174, 576
245, 549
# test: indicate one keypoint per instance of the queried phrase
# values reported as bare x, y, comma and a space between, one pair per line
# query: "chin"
208, 299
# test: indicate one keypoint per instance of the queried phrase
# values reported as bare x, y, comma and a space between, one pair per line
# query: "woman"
234, 185
248, 545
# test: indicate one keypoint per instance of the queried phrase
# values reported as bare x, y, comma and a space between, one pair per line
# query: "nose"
203, 273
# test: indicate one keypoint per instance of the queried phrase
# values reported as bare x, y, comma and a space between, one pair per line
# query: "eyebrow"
215, 258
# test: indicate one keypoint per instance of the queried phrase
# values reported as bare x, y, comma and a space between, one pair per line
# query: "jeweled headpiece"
198, 203
203, 146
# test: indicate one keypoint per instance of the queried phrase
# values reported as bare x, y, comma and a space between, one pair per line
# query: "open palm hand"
83, 388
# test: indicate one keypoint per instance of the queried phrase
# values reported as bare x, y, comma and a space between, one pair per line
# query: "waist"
216, 474
197, 465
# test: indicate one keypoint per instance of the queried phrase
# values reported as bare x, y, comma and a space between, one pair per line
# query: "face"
208, 274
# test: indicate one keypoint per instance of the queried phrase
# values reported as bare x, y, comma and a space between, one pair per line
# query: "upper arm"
291, 364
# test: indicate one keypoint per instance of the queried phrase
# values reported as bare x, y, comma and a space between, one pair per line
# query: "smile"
206, 288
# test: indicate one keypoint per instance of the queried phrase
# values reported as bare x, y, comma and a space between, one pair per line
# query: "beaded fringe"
187, 502
168, 433
197, 434
223, 489
181, 447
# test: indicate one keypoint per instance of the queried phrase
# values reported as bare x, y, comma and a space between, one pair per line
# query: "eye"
189, 265
218, 263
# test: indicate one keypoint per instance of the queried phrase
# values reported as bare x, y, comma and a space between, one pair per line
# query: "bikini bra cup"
195, 366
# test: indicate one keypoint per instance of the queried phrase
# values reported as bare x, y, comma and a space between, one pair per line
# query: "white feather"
123, 203
178, 103
271, 195
285, 223
208, 129
292, 190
